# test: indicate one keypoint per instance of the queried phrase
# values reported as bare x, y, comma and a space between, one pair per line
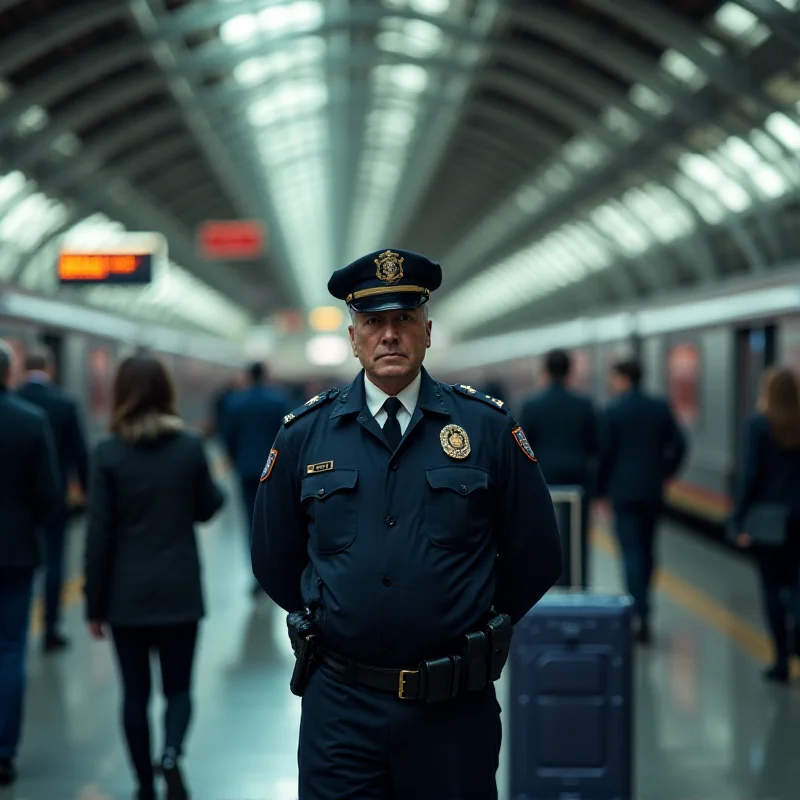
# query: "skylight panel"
648, 100
740, 25
621, 123
683, 69
239, 29
785, 129
585, 151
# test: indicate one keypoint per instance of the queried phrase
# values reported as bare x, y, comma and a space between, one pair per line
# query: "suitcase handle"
572, 633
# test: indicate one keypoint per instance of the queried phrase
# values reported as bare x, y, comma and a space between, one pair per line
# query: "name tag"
323, 466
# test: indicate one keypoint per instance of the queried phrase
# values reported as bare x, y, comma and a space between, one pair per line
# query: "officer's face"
391, 344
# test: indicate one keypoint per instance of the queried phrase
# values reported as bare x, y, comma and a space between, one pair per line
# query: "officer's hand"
96, 629
744, 540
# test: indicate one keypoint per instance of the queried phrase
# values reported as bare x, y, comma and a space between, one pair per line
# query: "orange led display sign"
111, 268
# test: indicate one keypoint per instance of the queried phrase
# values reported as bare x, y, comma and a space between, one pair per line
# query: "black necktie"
391, 428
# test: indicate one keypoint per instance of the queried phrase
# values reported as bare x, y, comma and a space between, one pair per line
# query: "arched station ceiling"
558, 156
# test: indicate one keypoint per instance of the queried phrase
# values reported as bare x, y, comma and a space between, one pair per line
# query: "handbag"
767, 524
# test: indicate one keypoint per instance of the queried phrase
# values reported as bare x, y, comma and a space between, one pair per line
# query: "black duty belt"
433, 681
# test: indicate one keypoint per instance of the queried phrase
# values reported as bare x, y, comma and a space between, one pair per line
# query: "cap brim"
389, 302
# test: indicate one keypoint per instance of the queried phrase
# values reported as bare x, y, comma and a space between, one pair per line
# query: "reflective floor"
707, 727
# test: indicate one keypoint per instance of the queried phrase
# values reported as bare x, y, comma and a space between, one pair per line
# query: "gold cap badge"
390, 267
455, 441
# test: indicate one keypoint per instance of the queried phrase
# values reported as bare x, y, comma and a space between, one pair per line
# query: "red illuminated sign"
231, 239
119, 268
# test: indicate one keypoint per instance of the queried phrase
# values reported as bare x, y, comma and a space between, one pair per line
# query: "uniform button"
390, 521
463, 489
386, 582
395, 467
320, 492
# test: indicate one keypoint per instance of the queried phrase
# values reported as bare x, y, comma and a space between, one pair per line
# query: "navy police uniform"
398, 554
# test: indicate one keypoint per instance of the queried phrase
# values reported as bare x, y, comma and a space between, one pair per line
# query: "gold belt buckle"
401, 688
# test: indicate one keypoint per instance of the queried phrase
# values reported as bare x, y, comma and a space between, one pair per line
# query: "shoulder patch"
315, 402
522, 441
468, 391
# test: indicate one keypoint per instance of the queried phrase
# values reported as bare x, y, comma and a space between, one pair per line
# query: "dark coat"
29, 481
642, 448
62, 412
401, 554
769, 474
250, 422
561, 426
149, 487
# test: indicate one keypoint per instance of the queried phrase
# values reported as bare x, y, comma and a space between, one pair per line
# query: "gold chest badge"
390, 267
455, 441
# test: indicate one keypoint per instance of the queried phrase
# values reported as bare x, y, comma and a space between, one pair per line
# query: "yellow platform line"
751, 640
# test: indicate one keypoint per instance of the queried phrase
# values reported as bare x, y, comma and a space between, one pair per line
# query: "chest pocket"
457, 513
330, 502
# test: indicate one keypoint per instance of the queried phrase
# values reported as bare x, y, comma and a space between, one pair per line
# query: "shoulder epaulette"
468, 391
315, 402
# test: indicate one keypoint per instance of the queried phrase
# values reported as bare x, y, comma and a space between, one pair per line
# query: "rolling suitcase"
570, 702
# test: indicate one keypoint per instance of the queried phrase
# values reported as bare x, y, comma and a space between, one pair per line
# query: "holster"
306, 650
487, 649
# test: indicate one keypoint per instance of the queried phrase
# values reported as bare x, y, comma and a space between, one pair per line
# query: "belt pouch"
476, 651
439, 680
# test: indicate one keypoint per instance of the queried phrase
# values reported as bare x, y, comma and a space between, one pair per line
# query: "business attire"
771, 474
400, 523
562, 428
642, 448
150, 485
70, 445
29, 495
250, 423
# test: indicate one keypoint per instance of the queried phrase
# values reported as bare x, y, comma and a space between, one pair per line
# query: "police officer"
642, 448
411, 520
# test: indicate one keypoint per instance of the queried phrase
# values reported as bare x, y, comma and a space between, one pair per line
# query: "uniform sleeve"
278, 548
99, 539
528, 542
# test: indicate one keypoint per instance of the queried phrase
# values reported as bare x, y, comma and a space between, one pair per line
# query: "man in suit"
62, 412
561, 426
250, 424
642, 448
29, 494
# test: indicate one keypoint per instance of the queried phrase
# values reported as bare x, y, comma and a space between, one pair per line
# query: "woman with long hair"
150, 484
770, 491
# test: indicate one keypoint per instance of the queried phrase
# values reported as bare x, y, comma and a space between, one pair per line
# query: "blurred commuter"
642, 448
251, 424
29, 496
767, 513
561, 426
221, 403
150, 485
70, 445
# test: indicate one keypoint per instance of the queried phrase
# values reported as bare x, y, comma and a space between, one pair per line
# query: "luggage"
570, 706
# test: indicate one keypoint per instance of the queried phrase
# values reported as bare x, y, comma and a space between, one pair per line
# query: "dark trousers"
55, 534
360, 743
563, 517
16, 592
636, 532
779, 568
176, 646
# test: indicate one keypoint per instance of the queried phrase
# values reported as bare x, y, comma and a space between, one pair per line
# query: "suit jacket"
642, 448
251, 421
29, 480
561, 426
62, 413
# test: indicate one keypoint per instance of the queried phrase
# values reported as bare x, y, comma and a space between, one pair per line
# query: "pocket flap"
463, 480
324, 485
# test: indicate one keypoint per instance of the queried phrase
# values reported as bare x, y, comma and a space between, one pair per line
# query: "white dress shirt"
408, 398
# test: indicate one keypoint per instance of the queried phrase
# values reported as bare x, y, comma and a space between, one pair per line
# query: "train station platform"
707, 726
